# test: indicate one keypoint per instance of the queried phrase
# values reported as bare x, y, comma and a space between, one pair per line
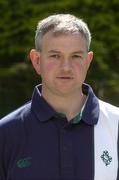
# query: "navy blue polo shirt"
35, 143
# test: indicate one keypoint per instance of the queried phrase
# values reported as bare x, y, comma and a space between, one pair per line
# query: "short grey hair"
62, 24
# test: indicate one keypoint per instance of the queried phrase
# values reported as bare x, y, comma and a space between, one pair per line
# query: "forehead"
63, 42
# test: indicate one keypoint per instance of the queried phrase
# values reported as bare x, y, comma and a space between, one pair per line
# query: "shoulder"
108, 110
13, 128
16, 117
13, 132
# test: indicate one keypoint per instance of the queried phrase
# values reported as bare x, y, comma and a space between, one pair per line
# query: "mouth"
65, 77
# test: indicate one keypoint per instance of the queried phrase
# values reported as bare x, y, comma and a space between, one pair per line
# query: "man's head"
62, 24
61, 56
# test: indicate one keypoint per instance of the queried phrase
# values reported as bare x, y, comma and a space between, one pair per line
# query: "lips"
65, 77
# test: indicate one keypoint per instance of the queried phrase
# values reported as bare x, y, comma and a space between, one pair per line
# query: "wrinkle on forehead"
69, 42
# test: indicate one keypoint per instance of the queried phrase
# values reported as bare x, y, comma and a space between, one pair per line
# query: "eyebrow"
53, 51
75, 52
78, 52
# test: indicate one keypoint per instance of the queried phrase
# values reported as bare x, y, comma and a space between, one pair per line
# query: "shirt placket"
66, 153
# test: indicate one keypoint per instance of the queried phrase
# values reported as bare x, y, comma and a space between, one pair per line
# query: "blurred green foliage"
17, 29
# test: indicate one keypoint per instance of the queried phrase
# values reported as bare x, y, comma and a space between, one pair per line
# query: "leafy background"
18, 20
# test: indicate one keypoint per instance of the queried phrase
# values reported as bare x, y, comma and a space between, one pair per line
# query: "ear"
89, 57
35, 59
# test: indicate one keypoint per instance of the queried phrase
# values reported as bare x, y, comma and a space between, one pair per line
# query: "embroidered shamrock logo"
24, 163
107, 159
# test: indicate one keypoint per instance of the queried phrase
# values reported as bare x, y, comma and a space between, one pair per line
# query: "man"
65, 132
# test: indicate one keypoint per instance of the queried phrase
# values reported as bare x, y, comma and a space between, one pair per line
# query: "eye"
55, 56
76, 56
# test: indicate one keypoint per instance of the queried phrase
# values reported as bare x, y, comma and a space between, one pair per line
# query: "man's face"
63, 63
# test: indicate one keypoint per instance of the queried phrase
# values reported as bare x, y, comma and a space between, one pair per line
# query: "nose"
66, 65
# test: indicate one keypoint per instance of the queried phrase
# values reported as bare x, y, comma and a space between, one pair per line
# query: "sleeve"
2, 155
118, 153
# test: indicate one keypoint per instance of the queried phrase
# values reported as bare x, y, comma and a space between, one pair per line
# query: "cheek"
82, 66
49, 67
79, 66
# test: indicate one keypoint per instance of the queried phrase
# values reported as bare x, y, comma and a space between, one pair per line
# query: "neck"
70, 106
